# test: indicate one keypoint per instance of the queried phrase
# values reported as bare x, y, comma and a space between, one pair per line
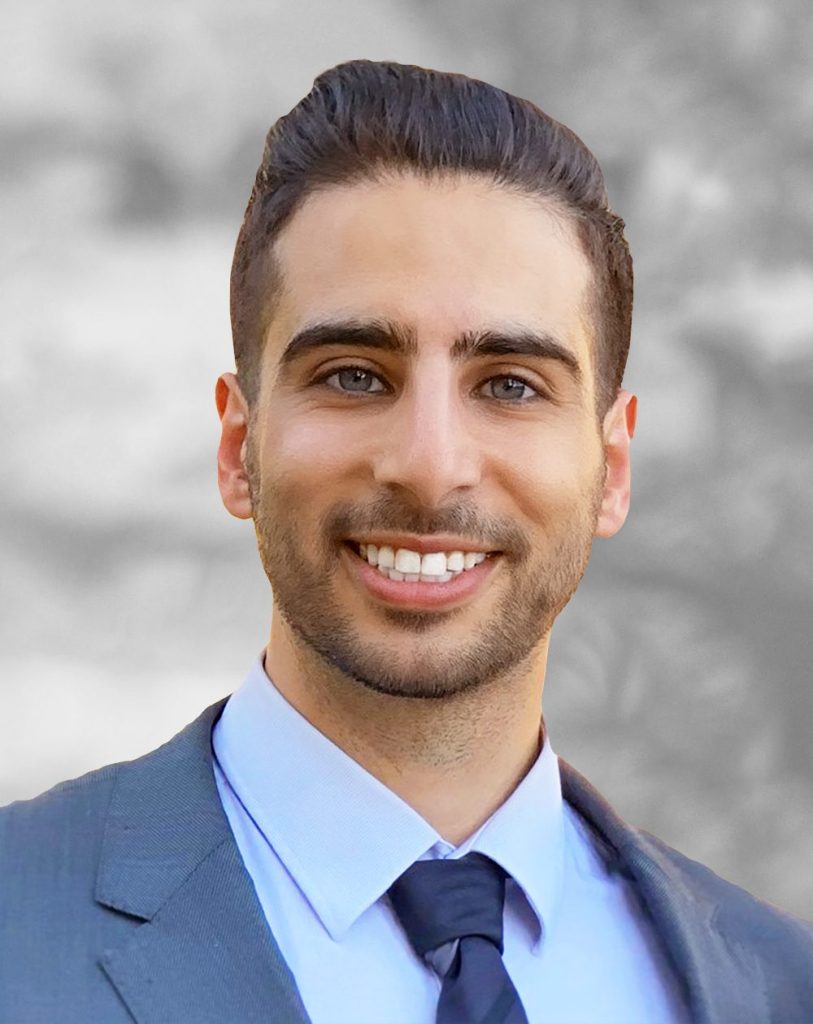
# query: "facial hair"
540, 584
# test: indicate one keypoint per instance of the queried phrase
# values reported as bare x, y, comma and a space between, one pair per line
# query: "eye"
354, 380
510, 389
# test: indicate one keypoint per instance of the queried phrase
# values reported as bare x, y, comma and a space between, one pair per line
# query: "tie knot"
437, 901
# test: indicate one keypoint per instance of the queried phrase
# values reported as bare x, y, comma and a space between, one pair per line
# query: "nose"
427, 445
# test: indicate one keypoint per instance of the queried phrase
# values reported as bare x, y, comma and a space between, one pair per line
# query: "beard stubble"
540, 584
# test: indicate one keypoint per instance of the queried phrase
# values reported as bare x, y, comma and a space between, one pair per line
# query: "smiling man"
431, 308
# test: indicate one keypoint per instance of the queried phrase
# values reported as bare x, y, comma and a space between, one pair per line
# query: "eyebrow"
387, 336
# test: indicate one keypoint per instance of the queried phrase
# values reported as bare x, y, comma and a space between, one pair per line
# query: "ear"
618, 429
232, 478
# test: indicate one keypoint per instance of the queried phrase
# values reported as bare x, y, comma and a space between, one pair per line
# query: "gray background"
130, 133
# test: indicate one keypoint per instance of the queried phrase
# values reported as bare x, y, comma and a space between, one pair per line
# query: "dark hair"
364, 119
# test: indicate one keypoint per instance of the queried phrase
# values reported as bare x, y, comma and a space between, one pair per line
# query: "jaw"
346, 641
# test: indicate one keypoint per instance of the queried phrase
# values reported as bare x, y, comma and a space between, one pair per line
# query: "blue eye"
510, 389
355, 379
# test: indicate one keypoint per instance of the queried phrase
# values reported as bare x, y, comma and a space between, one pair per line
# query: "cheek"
304, 455
549, 479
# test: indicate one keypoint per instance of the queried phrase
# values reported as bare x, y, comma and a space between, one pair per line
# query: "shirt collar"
525, 836
344, 837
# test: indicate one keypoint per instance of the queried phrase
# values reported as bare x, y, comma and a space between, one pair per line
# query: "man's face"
412, 398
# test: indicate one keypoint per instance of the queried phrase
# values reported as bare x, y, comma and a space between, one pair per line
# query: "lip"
419, 595
423, 545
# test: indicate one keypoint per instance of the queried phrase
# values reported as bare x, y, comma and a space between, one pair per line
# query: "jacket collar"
722, 980
204, 951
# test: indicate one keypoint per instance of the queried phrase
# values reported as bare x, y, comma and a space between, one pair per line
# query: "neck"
454, 759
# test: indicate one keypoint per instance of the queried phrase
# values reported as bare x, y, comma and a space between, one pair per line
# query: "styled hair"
362, 121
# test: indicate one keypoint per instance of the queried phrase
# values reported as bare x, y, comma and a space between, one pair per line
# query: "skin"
444, 706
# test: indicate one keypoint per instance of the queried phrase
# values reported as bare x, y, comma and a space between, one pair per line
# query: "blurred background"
679, 679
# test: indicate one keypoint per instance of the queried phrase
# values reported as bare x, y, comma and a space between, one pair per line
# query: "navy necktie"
438, 901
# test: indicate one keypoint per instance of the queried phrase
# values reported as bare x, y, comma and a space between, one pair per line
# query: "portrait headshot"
408, 603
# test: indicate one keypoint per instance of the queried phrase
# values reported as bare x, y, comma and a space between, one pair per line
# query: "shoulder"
73, 812
773, 947
738, 914
49, 845
56, 838
50, 923
56, 919
729, 944
71, 807
654, 864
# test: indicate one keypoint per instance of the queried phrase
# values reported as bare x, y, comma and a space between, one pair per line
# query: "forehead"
441, 257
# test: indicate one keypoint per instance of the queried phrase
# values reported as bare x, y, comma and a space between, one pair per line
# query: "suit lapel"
204, 951
723, 981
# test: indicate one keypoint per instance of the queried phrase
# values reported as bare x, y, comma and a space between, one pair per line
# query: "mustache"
389, 513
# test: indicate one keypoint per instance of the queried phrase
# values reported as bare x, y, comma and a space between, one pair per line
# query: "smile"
407, 566
399, 576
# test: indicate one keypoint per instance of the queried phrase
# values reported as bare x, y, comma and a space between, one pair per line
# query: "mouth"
402, 564
415, 579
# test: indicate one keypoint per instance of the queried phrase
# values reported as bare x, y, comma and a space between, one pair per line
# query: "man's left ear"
618, 429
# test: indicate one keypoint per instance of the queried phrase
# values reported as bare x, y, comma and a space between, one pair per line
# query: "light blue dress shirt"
323, 840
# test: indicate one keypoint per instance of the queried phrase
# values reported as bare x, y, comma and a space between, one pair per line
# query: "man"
431, 313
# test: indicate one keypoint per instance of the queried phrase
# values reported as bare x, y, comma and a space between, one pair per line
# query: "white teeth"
410, 566
455, 561
407, 561
434, 564
443, 578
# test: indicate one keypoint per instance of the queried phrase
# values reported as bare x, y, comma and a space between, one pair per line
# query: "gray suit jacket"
123, 898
